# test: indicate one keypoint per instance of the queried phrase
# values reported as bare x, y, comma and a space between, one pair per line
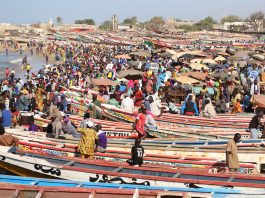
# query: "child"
32, 125
237, 107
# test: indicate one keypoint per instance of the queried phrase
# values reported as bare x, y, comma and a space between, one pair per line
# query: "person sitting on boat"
172, 107
102, 139
70, 129
7, 140
88, 141
32, 125
231, 153
137, 154
156, 107
127, 103
237, 107
208, 111
86, 119
150, 122
112, 101
189, 107
255, 124
140, 123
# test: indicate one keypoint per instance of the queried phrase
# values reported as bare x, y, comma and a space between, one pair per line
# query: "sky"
33, 11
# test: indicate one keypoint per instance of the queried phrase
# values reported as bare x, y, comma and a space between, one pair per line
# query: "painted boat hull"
92, 171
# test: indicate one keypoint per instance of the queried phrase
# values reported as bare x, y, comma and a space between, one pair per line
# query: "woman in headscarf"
39, 98
209, 111
88, 141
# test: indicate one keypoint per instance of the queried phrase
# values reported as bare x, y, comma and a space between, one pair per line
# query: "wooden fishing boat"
14, 190
124, 130
173, 143
94, 171
211, 165
120, 115
46, 185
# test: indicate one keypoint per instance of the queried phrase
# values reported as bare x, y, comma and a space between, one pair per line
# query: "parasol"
186, 80
103, 82
209, 61
219, 58
122, 56
142, 54
196, 60
130, 74
198, 66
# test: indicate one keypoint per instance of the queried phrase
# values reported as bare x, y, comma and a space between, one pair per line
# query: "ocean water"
14, 60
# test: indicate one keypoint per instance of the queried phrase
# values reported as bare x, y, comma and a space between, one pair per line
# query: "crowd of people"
227, 88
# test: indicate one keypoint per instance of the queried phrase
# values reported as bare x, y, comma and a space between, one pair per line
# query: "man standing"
231, 153
255, 123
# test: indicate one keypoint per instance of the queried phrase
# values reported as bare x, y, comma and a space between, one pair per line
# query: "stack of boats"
185, 159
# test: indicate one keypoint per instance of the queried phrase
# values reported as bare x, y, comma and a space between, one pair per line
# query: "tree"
86, 21
231, 19
155, 24
256, 20
59, 20
107, 25
188, 28
205, 24
130, 21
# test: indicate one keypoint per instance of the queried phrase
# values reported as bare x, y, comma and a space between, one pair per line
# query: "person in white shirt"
127, 103
109, 66
156, 107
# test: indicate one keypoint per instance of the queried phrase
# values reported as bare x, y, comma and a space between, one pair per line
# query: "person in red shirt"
138, 97
140, 123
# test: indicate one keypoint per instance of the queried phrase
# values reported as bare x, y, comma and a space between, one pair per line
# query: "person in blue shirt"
189, 107
247, 104
6, 116
160, 80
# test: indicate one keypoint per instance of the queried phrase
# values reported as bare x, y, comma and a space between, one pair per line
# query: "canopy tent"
130, 74
198, 66
103, 82
186, 80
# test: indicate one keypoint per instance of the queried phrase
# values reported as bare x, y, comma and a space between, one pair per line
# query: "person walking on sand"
231, 153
